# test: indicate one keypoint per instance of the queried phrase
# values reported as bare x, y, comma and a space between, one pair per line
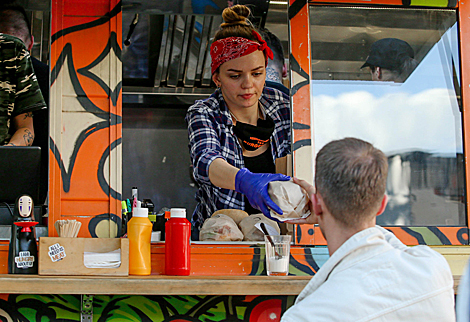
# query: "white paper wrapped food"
291, 198
251, 232
220, 228
236, 214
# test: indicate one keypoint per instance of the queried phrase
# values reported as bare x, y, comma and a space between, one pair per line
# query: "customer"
370, 275
391, 59
236, 134
276, 69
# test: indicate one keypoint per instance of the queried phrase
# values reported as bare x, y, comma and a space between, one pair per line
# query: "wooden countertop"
153, 285
157, 285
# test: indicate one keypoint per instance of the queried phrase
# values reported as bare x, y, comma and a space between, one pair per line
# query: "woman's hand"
255, 187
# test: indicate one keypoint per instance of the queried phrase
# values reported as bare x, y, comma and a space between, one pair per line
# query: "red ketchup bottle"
177, 245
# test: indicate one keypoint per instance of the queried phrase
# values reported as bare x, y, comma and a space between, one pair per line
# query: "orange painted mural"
85, 180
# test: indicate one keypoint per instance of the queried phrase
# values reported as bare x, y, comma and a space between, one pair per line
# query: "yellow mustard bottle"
139, 233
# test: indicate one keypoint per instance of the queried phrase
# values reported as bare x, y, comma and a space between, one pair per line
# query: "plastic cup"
277, 254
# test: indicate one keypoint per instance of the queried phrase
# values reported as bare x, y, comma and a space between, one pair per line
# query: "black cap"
389, 53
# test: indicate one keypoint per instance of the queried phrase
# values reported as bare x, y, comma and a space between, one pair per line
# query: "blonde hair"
236, 23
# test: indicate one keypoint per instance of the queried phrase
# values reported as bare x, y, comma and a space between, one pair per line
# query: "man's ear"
31, 43
284, 71
318, 204
379, 72
383, 204
216, 79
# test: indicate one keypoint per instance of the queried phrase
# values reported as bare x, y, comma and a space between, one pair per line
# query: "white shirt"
373, 276
463, 297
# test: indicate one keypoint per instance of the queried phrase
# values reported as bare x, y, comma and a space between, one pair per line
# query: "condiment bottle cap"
140, 212
178, 213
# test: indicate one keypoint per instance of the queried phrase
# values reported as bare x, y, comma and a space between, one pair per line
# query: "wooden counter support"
154, 285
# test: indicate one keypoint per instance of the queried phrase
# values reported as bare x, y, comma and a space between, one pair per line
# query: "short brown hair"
351, 177
14, 21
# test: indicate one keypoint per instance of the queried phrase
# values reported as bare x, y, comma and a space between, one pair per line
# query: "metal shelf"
158, 96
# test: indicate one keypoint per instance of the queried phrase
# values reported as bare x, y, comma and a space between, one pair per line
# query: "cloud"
395, 121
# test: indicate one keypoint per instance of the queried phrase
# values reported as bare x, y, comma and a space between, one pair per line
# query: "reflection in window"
135, 55
415, 121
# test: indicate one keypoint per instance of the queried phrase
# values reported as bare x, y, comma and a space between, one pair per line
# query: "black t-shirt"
262, 163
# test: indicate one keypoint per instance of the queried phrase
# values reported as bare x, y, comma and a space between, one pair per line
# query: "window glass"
135, 53
409, 107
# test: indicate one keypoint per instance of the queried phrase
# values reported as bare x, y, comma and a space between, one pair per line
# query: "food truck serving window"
414, 117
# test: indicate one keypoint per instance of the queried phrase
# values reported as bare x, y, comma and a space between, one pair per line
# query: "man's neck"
336, 234
273, 75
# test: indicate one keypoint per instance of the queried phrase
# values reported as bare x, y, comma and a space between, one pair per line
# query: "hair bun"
236, 15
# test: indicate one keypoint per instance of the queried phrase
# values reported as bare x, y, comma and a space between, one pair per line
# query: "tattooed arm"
24, 134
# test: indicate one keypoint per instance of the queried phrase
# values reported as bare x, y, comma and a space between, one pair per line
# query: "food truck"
123, 73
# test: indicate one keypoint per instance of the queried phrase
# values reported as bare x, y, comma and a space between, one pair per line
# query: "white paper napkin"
102, 260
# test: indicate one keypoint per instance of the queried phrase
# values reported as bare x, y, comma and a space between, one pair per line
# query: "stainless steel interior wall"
155, 157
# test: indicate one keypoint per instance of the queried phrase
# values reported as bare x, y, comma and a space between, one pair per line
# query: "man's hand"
24, 134
312, 218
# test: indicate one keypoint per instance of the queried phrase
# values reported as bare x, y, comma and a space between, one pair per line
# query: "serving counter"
217, 268
228, 282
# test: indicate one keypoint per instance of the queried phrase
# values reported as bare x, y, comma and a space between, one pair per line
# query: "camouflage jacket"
19, 89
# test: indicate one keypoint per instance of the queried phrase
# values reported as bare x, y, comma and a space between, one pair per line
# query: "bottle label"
24, 260
56, 252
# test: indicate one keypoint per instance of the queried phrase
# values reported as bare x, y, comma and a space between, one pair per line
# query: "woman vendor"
237, 133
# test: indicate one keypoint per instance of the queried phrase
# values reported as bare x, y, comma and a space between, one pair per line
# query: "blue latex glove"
255, 187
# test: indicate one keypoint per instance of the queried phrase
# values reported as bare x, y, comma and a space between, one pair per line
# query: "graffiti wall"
85, 139
67, 308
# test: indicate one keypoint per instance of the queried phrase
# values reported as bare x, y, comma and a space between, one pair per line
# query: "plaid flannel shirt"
211, 137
